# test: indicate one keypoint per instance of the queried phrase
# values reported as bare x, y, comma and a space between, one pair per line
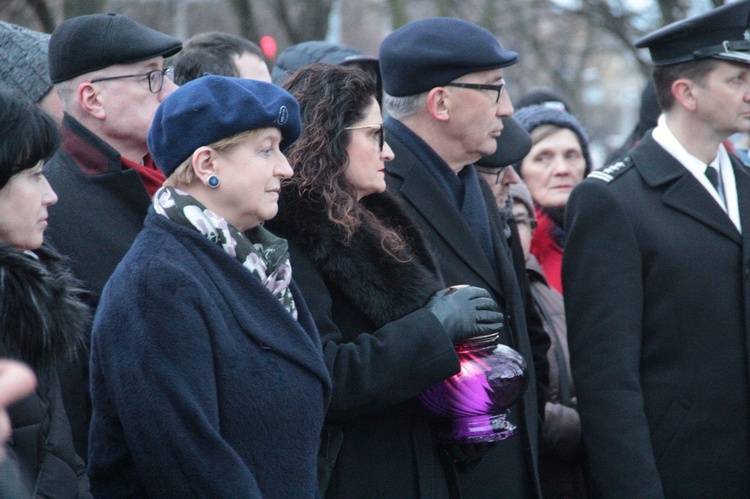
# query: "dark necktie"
713, 177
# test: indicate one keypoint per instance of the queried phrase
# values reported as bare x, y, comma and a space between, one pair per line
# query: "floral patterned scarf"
263, 254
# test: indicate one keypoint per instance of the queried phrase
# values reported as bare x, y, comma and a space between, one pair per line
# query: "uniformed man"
656, 281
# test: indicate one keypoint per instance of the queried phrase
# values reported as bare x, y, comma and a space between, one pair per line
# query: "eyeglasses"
480, 86
379, 132
526, 223
496, 172
155, 78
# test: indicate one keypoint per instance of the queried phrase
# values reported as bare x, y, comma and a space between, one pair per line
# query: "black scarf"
558, 233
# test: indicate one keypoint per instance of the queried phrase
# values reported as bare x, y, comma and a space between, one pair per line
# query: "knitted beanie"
532, 117
519, 192
23, 61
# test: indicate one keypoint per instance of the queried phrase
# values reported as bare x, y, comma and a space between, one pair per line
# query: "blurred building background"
581, 49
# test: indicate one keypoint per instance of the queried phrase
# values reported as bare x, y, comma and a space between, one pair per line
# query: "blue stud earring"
213, 181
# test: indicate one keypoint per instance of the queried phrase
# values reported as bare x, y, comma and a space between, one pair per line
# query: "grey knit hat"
520, 192
23, 61
531, 117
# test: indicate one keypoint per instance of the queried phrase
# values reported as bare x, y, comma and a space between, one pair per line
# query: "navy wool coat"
202, 383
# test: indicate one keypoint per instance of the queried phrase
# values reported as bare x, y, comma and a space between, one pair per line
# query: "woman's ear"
204, 163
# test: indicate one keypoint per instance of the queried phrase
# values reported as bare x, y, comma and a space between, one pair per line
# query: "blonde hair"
184, 174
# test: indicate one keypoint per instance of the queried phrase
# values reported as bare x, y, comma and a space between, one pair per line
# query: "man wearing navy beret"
445, 95
656, 274
109, 73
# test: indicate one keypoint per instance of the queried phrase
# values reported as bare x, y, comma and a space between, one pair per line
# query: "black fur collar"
42, 315
382, 288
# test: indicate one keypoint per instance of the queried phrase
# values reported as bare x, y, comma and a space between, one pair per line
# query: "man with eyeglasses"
109, 72
445, 95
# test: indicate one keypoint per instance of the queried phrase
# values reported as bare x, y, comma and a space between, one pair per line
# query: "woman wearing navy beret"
207, 372
385, 320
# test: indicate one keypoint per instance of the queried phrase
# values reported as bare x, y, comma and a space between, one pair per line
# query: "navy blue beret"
87, 43
422, 55
212, 108
718, 34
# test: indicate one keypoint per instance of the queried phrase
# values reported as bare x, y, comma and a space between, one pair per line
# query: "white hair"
401, 108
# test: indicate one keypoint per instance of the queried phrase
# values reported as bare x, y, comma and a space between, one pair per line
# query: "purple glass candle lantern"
492, 378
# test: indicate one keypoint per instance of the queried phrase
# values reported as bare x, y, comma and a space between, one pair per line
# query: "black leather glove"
466, 312
466, 456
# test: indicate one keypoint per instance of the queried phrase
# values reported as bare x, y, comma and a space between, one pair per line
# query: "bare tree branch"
44, 14
244, 12
399, 17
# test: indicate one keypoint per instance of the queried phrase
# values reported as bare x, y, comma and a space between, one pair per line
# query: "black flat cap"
422, 55
87, 43
512, 146
719, 34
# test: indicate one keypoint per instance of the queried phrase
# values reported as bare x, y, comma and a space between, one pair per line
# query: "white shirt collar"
665, 138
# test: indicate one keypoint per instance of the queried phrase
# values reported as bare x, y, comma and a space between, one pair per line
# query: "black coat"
657, 296
509, 469
98, 215
43, 319
94, 223
380, 347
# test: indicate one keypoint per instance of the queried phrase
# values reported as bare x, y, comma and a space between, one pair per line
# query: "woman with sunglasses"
386, 323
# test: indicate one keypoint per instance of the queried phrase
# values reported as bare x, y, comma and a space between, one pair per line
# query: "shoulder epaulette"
612, 171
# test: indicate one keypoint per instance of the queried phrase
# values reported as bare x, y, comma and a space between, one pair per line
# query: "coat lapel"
260, 314
742, 178
681, 190
426, 196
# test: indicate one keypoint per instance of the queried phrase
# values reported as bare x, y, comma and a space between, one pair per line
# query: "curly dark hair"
332, 98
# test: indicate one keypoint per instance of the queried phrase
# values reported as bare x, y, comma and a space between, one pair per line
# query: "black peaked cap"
719, 34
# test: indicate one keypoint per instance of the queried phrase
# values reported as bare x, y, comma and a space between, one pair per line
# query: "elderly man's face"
129, 105
500, 182
476, 114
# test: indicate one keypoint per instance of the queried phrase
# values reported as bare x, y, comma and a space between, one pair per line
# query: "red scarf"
152, 177
547, 251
